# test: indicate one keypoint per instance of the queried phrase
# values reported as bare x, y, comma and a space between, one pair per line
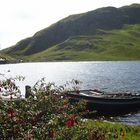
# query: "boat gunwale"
109, 97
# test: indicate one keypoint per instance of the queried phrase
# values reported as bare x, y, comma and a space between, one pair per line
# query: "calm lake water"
109, 76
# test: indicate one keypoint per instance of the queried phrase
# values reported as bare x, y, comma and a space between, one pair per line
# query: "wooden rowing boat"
109, 103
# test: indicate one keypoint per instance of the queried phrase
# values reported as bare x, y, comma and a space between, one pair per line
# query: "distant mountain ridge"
91, 23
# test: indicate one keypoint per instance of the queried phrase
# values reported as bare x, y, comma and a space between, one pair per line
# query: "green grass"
130, 132
121, 44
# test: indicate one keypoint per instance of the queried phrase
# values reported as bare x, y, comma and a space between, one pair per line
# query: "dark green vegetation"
104, 34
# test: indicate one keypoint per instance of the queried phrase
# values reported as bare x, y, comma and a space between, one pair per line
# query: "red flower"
11, 114
51, 134
70, 123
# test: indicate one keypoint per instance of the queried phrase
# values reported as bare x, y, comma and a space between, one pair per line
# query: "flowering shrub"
46, 114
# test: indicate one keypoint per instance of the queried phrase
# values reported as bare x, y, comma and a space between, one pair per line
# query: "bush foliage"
46, 114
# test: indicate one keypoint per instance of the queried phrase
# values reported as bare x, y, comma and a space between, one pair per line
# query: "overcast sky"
22, 18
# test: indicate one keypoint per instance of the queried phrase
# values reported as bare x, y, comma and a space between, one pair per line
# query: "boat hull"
108, 105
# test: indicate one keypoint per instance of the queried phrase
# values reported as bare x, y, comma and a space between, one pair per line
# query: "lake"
110, 76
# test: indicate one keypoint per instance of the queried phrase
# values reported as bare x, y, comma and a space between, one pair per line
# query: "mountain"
107, 33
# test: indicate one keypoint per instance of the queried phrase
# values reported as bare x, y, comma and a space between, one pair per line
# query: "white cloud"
22, 18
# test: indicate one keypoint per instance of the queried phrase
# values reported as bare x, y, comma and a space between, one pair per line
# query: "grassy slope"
120, 44
8, 57
131, 132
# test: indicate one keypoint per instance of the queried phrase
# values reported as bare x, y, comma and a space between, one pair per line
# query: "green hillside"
107, 33
9, 58
120, 44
